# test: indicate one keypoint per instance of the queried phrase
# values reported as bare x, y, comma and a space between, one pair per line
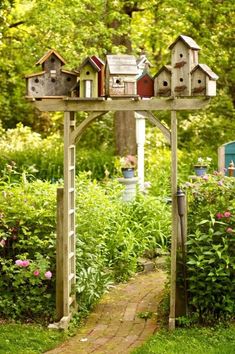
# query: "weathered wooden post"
174, 232
69, 239
59, 254
140, 139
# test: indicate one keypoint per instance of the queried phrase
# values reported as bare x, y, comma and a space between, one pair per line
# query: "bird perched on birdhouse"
184, 57
53, 80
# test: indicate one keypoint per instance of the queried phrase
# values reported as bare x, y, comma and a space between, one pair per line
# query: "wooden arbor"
66, 198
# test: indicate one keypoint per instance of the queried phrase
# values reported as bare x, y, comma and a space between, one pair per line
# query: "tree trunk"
124, 130
124, 122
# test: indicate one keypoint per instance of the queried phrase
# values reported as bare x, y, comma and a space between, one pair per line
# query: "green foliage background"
80, 28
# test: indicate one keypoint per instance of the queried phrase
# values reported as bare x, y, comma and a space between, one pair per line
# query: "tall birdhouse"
89, 78
145, 85
53, 80
162, 81
203, 81
184, 58
121, 72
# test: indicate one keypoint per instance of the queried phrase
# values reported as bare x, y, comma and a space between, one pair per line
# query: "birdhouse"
145, 85
121, 71
143, 64
53, 80
184, 58
203, 81
89, 78
162, 81
101, 65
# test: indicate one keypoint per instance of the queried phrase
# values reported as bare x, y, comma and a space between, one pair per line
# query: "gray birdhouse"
162, 81
203, 81
53, 80
184, 58
121, 72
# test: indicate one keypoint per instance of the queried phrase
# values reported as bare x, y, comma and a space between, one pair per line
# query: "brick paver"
115, 325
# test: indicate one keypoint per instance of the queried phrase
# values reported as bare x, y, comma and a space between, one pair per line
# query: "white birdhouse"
184, 58
203, 81
162, 81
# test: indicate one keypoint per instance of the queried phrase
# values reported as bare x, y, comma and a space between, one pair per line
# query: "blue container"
128, 172
200, 170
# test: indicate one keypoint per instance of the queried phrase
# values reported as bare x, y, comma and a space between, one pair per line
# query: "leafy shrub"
27, 233
22, 150
211, 248
111, 235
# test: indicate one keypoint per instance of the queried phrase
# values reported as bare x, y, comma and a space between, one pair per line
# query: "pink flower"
229, 230
25, 263
205, 177
2, 243
36, 273
219, 215
220, 183
18, 262
227, 214
48, 274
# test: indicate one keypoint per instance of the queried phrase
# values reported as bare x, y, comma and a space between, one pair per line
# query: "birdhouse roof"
145, 73
163, 68
187, 40
89, 60
143, 60
206, 70
122, 64
98, 61
69, 72
35, 74
48, 54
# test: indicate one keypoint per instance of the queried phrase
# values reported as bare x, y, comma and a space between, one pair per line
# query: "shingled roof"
206, 70
122, 64
187, 40
48, 54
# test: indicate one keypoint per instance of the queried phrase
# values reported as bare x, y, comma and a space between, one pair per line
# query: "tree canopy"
78, 28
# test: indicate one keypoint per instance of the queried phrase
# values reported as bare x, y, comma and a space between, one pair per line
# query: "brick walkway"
114, 326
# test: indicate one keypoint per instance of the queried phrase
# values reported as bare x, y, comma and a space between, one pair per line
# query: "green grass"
218, 340
27, 339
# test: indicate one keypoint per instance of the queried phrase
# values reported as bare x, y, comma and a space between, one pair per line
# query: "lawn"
218, 340
30, 339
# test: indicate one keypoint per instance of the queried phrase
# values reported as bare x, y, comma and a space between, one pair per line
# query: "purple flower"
48, 274
220, 183
205, 177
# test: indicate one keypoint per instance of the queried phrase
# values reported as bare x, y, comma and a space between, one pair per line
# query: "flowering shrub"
211, 247
27, 250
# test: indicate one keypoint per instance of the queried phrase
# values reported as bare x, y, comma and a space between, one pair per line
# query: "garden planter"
128, 172
200, 170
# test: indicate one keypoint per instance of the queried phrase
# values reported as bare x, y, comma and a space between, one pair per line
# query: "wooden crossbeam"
154, 104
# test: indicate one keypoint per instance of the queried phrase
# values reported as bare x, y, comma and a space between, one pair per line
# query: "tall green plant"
211, 248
